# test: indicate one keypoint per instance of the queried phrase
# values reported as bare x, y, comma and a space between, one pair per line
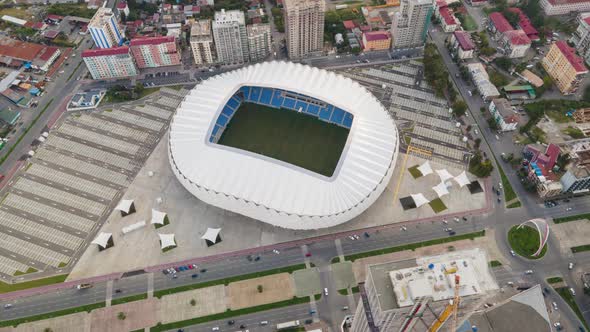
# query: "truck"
287, 325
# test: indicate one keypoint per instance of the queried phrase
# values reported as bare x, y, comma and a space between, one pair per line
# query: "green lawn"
437, 205
131, 298
87, 308
572, 218
554, 280
413, 246
6, 288
495, 263
585, 247
567, 296
525, 241
415, 171
286, 135
467, 22
516, 204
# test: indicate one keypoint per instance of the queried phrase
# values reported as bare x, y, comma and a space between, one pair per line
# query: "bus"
287, 325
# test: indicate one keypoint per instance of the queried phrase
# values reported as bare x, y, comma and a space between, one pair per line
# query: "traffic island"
525, 241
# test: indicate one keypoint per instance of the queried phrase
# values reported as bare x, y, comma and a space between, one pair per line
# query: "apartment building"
562, 7
202, 42
410, 25
259, 41
376, 41
304, 27
105, 30
230, 35
153, 52
565, 68
581, 37
105, 63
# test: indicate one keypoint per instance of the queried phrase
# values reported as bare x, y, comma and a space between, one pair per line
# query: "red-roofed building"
15, 53
167, 7
376, 41
123, 8
498, 24
445, 15
46, 58
565, 67
525, 24
152, 52
515, 43
562, 7
349, 24
502, 113
51, 34
365, 28
54, 19
39, 26
105, 63
462, 44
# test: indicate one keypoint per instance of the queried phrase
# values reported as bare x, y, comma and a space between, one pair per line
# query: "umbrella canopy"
124, 205
167, 240
158, 217
419, 199
425, 168
211, 235
441, 189
462, 179
444, 174
102, 239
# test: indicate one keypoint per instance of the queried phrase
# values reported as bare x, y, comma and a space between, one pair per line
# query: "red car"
308, 254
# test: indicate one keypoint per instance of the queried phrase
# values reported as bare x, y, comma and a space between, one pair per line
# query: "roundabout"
529, 239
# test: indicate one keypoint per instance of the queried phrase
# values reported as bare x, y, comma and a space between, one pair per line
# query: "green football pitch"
286, 135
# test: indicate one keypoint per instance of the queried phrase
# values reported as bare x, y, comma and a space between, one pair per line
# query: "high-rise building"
229, 33
563, 7
564, 66
104, 63
304, 27
259, 41
202, 42
410, 24
581, 37
576, 179
104, 29
152, 52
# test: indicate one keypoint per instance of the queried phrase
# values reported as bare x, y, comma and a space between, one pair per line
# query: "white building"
104, 29
110, 62
481, 79
515, 43
502, 113
562, 7
259, 41
462, 44
230, 35
304, 27
202, 42
410, 23
581, 37
273, 191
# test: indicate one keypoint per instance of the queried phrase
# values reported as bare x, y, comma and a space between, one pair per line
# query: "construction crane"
450, 309
456, 304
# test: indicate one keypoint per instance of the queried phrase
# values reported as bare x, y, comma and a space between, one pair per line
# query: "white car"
404, 228
554, 305
326, 291
7, 306
216, 328
351, 237
570, 266
528, 272
572, 291
512, 253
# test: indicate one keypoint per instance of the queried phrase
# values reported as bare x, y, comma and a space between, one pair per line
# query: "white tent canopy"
462, 179
444, 174
167, 240
132, 227
441, 189
102, 239
419, 199
158, 217
211, 234
124, 205
425, 168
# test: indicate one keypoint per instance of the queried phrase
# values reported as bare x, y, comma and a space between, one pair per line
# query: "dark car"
367, 235
195, 276
308, 321
231, 322
451, 233
203, 270
257, 258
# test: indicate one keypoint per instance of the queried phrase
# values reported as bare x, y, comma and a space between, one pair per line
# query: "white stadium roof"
274, 191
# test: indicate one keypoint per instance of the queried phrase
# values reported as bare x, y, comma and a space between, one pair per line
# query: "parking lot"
53, 208
422, 117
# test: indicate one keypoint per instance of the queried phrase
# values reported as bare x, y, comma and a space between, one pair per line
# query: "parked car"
195, 276
570, 266
572, 291
326, 291
512, 253
528, 272
451, 233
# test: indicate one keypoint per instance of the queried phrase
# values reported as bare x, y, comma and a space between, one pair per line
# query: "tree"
48, 329
487, 51
511, 17
586, 95
138, 89
121, 315
492, 123
260, 289
503, 62
355, 50
477, 142
193, 302
459, 108
480, 168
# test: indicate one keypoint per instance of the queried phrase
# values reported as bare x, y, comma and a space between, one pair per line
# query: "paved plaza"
53, 208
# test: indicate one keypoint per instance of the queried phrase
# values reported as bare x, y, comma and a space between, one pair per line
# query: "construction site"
455, 291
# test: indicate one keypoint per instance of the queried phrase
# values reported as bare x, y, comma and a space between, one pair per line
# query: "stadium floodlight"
265, 187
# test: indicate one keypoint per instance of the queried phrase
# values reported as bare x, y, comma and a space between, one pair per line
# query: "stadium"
287, 144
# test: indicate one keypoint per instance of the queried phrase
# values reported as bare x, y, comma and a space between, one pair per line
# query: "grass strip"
514, 205
554, 280
509, 193
228, 314
437, 205
87, 308
25, 132
525, 242
585, 247
7, 288
415, 172
226, 281
355, 289
572, 218
343, 291
569, 299
131, 298
335, 260
414, 246
74, 71
495, 263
